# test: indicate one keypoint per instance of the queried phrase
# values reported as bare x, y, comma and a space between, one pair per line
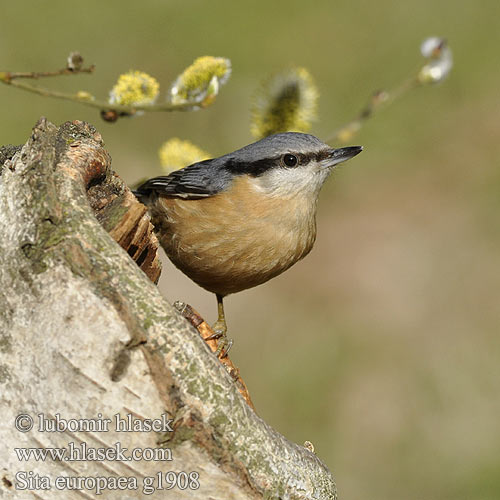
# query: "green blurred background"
381, 347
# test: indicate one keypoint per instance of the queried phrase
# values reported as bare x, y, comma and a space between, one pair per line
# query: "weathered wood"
126, 220
84, 332
206, 332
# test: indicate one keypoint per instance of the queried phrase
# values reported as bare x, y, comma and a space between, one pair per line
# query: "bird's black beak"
339, 155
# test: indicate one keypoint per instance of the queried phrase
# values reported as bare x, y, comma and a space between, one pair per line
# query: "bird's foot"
224, 342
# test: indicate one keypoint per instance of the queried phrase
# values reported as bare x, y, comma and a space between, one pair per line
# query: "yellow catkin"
201, 80
285, 102
134, 87
177, 153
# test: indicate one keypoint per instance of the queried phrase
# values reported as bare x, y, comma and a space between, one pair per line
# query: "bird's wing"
199, 180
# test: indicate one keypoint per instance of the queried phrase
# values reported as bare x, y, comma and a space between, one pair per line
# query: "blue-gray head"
289, 163
285, 165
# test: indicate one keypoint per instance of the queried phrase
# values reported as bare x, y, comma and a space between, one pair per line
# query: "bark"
85, 334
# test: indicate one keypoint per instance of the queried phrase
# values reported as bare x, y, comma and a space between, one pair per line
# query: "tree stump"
85, 337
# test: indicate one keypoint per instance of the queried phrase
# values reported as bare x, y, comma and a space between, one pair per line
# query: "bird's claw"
223, 346
224, 343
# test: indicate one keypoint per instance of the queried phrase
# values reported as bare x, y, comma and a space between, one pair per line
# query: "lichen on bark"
83, 330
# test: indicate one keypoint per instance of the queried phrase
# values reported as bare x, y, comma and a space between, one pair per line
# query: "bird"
234, 222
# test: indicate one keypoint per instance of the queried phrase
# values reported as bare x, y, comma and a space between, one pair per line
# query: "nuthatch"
237, 221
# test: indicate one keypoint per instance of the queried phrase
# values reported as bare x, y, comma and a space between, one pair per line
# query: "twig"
378, 100
439, 62
109, 112
101, 105
42, 74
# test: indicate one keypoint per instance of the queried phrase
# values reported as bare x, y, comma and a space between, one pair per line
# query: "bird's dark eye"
290, 160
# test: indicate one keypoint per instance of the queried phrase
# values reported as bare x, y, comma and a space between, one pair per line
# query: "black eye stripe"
258, 167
